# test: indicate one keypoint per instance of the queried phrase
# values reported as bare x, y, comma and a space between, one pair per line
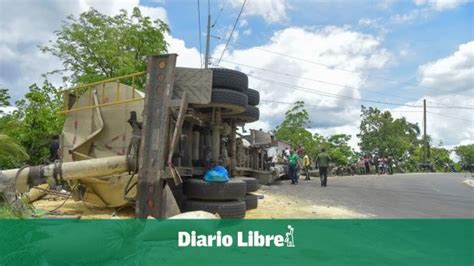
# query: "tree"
91, 47
465, 153
4, 99
293, 129
11, 152
382, 134
35, 121
440, 157
339, 149
95, 46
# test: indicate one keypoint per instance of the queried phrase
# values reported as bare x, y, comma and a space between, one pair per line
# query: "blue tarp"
217, 174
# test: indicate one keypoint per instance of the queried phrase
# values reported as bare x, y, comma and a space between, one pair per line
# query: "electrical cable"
317, 80
338, 68
219, 14
343, 86
232, 32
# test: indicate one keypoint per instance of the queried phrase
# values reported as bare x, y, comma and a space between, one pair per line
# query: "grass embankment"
6, 213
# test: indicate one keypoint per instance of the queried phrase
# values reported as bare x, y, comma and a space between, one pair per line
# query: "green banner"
232, 242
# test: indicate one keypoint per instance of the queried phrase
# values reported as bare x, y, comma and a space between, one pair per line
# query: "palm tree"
10, 149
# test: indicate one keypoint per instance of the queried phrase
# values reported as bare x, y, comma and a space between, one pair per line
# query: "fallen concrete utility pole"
34, 175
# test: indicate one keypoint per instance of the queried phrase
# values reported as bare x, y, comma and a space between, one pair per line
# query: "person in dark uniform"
322, 162
54, 152
367, 165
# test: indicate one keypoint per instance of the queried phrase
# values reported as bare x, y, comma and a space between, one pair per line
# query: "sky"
333, 55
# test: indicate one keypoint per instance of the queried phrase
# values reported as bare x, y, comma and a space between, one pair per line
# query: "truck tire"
200, 189
225, 209
250, 115
254, 97
251, 201
230, 102
229, 79
252, 183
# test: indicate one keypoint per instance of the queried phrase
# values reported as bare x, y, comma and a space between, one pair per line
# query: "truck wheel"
226, 209
200, 189
252, 183
254, 97
229, 79
251, 201
250, 115
231, 102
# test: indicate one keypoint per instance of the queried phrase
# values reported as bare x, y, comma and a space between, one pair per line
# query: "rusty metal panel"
196, 82
154, 143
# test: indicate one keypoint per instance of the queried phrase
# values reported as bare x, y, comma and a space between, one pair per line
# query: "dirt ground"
73, 209
277, 201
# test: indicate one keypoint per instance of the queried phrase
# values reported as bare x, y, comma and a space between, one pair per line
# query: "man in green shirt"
322, 162
293, 167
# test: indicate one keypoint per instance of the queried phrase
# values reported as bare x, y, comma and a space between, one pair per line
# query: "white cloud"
448, 81
247, 32
451, 126
337, 47
271, 11
426, 8
112, 7
452, 74
7, 110
408, 17
24, 25
440, 5
187, 56
374, 23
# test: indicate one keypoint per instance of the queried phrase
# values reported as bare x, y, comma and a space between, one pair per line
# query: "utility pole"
425, 139
208, 40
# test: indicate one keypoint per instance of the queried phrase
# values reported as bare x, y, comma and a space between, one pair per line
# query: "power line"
232, 32
199, 22
295, 58
317, 80
327, 94
338, 68
310, 105
322, 106
452, 117
343, 86
219, 14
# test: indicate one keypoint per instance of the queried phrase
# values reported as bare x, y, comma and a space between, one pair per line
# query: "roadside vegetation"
95, 46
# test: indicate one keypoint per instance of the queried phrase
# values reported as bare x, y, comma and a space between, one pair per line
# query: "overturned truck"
121, 146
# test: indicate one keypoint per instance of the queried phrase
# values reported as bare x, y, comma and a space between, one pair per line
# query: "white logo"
290, 237
248, 239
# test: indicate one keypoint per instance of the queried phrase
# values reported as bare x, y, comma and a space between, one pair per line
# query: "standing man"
390, 165
54, 151
293, 167
306, 164
322, 162
367, 165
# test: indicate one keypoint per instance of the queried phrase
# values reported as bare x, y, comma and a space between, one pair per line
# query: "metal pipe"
69, 171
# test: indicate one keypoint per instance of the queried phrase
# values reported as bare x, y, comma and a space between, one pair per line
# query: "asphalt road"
391, 196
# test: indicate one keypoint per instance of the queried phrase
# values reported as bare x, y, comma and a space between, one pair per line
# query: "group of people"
297, 159
382, 165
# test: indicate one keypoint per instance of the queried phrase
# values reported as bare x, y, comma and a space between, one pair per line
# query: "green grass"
6, 213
